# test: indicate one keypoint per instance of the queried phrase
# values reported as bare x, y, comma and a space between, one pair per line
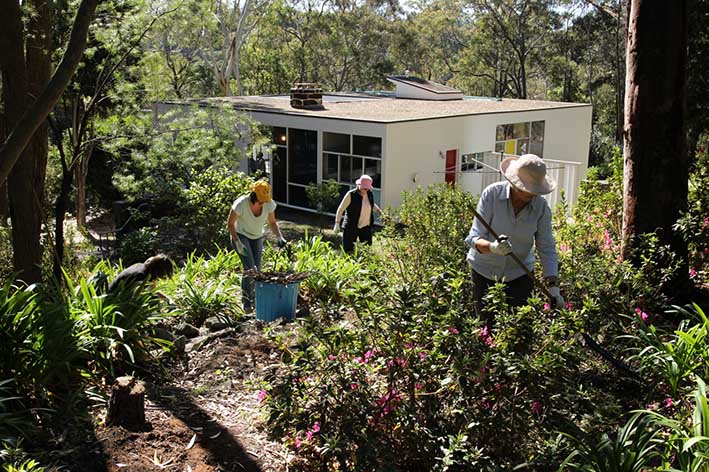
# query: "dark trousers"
350, 235
517, 292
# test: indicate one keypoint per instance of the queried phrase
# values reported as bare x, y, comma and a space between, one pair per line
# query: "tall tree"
656, 168
25, 68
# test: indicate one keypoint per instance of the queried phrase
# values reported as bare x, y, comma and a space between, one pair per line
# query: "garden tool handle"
514, 257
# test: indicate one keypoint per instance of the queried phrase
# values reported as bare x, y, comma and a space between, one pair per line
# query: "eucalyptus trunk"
656, 165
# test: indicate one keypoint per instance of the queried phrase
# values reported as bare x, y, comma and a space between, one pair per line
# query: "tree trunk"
60, 208
656, 167
127, 404
82, 170
35, 115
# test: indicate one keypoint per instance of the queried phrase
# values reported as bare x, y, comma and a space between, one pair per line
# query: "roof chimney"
307, 96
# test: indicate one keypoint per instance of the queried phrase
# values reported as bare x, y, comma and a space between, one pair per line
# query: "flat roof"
384, 109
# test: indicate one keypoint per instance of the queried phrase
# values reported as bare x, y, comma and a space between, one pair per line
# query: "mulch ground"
206, 419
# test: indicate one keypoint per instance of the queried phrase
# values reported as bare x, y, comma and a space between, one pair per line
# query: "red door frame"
451, 166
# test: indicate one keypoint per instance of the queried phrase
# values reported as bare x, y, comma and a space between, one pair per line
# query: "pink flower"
484, 332
652, 406
353, 386
331, 357
489, 341
297, 442
706, 222
262, 396
547, 307
536, 408
418, 386
423, 355
692, 272
309, 435
643, 316
453, 330
607, 241
569, 305
486, 404
590, 218
669, 403
368, 356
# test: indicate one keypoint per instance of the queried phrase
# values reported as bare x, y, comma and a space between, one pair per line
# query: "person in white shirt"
357, 208
516, 211
247, 218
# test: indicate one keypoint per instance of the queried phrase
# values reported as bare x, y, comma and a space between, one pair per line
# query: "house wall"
414, 148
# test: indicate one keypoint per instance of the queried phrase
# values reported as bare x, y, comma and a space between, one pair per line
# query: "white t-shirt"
248, 224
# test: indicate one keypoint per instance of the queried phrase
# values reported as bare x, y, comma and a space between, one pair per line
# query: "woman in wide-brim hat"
515, 209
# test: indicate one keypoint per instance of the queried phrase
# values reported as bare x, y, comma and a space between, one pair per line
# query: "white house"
419, 135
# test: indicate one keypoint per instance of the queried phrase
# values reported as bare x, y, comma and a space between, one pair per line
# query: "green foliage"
138, 245
117, 330
633, 449
207, 203
436, 222
202, 291
323, 196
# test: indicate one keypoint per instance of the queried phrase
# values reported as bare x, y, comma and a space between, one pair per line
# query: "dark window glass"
302, 156
336, 142
297, 196
346, 169
278, 135
373, 168
500, 147
367, 146
279, 175
329, 166
537, 148
356, 168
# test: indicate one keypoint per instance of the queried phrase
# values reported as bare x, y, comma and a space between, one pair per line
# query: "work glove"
556, 296
282, 243
240, 248
337, 228
502, 246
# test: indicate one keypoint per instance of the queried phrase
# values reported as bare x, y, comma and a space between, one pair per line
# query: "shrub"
436, 222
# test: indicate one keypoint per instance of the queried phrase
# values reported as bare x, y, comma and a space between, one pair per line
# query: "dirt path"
208, 419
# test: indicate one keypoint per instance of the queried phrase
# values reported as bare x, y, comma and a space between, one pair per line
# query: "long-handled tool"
600, 350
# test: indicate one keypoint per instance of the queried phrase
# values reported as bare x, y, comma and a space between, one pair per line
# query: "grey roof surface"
368, 108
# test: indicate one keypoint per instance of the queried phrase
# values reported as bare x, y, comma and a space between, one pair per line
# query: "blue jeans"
250, 260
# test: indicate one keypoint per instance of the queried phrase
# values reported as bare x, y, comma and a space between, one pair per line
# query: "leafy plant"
634, 448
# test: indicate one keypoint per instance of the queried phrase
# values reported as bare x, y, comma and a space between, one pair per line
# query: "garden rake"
590, 342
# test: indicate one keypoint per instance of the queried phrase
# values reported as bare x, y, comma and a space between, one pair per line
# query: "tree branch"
35, 115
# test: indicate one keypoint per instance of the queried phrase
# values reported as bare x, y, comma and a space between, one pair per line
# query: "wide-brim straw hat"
529, 173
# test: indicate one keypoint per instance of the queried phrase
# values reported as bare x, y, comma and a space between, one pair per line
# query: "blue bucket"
276, 300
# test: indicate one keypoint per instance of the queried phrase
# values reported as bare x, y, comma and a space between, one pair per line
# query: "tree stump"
127, 404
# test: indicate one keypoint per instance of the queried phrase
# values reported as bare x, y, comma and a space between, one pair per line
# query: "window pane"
500, 133
522, 146
278, 135
356, 168
297, 196
537, 131
346, 169
521, 130
278, 176
367, 146
336, 142
508, 132
500, 147
302, 156
537, 148
373, 168
329, 166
